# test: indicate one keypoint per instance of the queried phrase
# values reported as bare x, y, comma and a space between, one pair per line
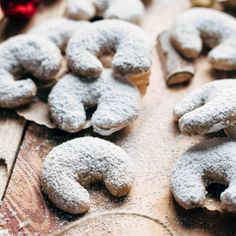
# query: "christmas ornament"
19, 8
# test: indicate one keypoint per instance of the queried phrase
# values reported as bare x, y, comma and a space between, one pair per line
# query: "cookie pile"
86, 83
108, 64
212, 107
113, 89
209, 109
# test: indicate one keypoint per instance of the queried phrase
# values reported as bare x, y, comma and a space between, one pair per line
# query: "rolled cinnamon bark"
202, 3
176, 68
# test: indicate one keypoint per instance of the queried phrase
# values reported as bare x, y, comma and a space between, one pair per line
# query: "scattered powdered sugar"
4, 232
25, 54
58, 30
130, 44
216, 29
80, 162
118, 103
24, 224
210, 161
131, 10
210, 108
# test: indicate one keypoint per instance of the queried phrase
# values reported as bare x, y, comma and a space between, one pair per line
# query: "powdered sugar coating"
58, 30
75, 164
210, 108
216, 29
129, 43
80, 9
118, 103
131, 10
208, 162
25, 54
15, 93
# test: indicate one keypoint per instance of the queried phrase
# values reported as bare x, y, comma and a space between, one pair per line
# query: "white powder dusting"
25, 54
210, 108
58, 30
118, 103
15, 93
80, 9
130, 44
81, 162
28, 53
131, 10
216, 29
210, 161
4, 232
23, 224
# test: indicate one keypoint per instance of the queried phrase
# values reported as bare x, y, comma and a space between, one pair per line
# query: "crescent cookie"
208, 162
25, 54
58, 30
216, 29
72, 166
118, 103
132, 10
129, 44
210, 108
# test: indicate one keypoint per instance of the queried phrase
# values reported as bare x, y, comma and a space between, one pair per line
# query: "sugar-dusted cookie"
216, 29
129, 44
118, 103
21, 55
58, 30
210, 108
208, 162
73, 165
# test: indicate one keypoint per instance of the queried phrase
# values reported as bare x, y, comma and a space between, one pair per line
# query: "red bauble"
19, 8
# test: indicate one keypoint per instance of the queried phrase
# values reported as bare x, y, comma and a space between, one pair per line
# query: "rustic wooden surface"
153, 142
11, 134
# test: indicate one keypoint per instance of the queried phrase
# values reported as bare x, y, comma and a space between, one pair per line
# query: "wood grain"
11, 126
11, 131
153, 142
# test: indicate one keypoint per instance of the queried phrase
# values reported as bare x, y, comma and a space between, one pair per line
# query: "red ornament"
19, 8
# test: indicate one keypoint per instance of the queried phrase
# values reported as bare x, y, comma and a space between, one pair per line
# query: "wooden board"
153, 142
11, 134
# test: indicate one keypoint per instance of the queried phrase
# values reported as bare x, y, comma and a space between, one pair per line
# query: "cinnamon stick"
175, 67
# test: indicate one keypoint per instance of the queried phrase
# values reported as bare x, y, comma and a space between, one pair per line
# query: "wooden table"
153, 142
